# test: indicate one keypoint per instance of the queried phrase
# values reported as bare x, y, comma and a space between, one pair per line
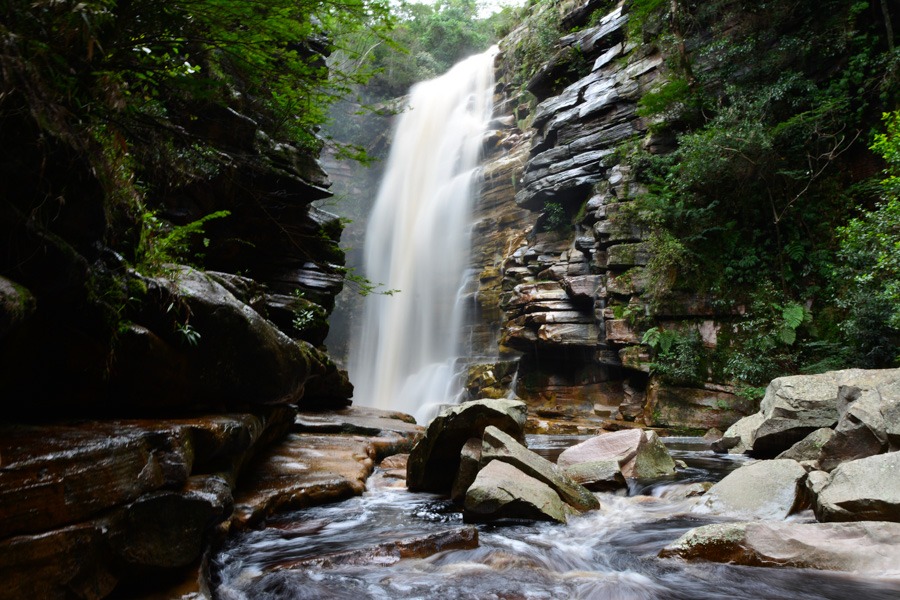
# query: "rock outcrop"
831, 546
435, 460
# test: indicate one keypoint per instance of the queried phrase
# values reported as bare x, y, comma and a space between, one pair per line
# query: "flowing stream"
417, 242
605, 554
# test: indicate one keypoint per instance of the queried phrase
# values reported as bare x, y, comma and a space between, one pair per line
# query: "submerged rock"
500, 446
434, 461
830, 546
640, 454
503, 491
768, 489
867, 489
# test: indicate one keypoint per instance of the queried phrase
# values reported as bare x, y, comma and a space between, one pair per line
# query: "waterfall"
417, 242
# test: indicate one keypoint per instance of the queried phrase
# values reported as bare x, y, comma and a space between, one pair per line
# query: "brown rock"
693, 408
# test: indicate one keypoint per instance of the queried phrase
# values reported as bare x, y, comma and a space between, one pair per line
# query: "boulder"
434, 461
863, 426
768, 489
867, 489
795, 406
640, 454
738, 439
469, 465
829, 546
503, 491
598, 476
809, 447
238, 355
17, 305
497, 445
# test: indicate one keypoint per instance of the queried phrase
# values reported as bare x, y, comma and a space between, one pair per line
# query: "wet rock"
768, 489
490, 380
360, 420
469, 465
303, 470
166, 529
860, 490
240, 356
639, 453
388, 553
434, 461
684, 491
598, 476
502, 491
64, 563
828, 546
17, 305
809, 447
500, 446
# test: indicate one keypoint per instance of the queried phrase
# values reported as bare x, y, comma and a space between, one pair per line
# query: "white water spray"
418, 242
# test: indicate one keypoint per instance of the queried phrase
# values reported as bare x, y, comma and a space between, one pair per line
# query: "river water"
605, 554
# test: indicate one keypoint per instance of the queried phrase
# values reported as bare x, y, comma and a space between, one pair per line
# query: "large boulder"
830, 546
503, 491
640, 454
768, 489
867, 489
500, 446
866, 415
809, 447
598, 476
435, 459
795, 406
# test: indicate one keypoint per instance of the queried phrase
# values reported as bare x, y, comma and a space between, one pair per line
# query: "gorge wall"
560, 258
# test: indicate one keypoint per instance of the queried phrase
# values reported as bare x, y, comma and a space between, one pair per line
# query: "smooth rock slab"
497, 445
503, 491
867, 489
869, 548
304, 470
768, 489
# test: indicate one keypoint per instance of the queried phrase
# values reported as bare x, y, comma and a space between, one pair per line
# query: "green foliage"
554, 216
162, 242
680, 358
870, 248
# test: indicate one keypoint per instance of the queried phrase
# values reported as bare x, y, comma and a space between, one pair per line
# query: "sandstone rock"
683, 491
768, 489
167, 529
863, 426
670, 406
434, 461
795, 406
63, 563
829, 546
502, 491
239, 356
639, 453
500, 446
738, 438
303, 470
361, 420
469, 465
598, 476
861, 490
809, 447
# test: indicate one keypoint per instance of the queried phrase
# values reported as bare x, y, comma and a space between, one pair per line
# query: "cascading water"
417, 242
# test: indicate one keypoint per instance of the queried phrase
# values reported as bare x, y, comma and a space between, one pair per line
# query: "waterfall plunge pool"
605, 554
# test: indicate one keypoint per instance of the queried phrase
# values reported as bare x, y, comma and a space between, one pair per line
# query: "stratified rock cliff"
560, 260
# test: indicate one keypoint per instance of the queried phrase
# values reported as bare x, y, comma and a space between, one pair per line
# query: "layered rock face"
560, 261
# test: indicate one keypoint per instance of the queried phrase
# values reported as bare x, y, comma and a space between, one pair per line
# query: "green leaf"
793, 315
